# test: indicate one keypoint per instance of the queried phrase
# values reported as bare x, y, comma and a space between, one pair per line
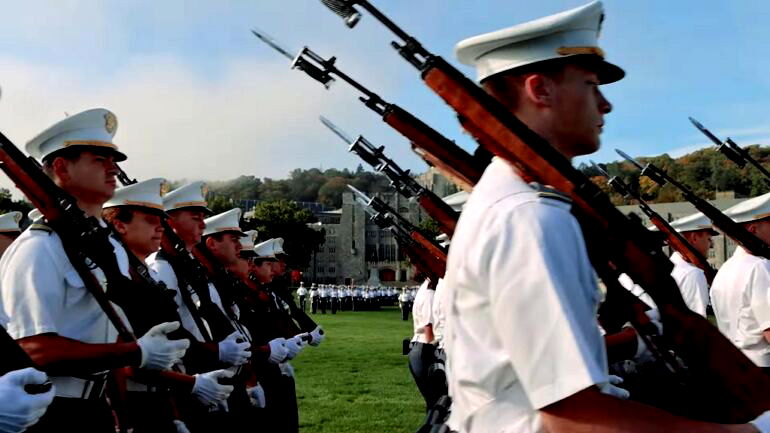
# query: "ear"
60, 168
120, 227
210, 243
539, 90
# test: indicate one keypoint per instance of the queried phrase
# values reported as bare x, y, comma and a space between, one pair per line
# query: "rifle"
437, 150
304, 321
673, 238
731, 150
425, 253
731, 387
721, 221
400, 179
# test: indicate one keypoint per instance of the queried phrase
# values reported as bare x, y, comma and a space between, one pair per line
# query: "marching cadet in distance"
518, 269
313, 298
135, 213
696, 229
403, 304
302, 294
422, 353
52, 314
323, 297
740, 293
9, 229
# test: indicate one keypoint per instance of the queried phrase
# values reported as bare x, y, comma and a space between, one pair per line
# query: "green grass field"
357, 380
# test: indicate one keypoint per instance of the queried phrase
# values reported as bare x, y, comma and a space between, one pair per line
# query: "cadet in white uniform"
313, 298
51, 312
422, 353
696, 229
302, 294
524, 346
740, 293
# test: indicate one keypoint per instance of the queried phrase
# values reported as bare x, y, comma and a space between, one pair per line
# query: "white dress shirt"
740, 295
422, 312
692, 283
42, 293
523, 332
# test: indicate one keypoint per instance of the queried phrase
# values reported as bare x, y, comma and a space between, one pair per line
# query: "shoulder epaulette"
40, 225
551, 193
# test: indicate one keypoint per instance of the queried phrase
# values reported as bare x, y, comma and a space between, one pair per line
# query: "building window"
320, 269
403, 210
331, 241
332, 269
332, 250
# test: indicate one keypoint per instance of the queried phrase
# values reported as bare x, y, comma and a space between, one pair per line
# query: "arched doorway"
387, 274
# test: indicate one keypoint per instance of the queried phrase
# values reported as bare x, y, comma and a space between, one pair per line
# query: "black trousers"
302, 303
404, 312
430, 380
150, 412
281, 407
335, 305
76, 415
314, 305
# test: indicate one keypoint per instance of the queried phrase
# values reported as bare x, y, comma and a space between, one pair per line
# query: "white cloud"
256, 118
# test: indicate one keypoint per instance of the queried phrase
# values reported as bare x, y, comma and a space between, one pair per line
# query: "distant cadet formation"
551, 311
339, 297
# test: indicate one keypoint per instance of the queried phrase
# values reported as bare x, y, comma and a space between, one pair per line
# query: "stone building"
356, 251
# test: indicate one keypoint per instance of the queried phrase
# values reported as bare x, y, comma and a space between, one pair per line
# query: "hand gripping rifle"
400, 179
437, 150
424, 253
731, 150
15, 358
721, 221
731, 387
673, 238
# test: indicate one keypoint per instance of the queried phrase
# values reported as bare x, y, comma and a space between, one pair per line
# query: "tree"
429, 228
285, 219
330, 193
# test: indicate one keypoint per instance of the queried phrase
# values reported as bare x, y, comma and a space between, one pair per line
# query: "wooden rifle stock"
680, 245
436, 149
439, 210
733, 389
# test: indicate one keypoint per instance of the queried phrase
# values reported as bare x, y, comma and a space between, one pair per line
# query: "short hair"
71, 154
500, 85
123, 214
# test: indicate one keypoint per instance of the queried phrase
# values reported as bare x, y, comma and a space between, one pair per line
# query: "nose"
604, 105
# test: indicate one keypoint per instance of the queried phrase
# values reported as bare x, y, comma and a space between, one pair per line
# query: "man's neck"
91, 209
541, 125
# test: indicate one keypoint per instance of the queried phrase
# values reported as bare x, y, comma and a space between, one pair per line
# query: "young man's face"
91, 177
278, 268
188, 225
761, 229
263, 272
701, 240
226, 248
578, 109
142, 234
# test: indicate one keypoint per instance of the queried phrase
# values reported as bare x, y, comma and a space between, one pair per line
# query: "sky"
197, 96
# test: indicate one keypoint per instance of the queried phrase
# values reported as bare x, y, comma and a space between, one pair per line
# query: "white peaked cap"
225, 222
753, 209
146, 194
569, 33
192, 195
248, 241
270, 249
92, 128
9, 222
34, 214
691, 223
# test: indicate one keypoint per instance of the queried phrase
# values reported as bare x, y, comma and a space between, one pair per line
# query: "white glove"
762, 423
181, 427
208, 390
287, 369
18, 409
294, 345
278, 350
257, 396
317, 335
610, 388
232, 352
158, 352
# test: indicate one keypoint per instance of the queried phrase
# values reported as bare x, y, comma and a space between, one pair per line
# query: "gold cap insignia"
110, 123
